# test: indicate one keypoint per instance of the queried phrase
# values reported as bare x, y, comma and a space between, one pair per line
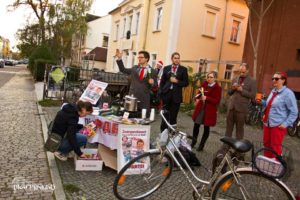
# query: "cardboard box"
108, 156
88, 165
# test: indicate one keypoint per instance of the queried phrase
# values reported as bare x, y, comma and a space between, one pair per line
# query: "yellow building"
212, 31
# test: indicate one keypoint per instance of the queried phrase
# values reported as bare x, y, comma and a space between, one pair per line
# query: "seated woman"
66, 122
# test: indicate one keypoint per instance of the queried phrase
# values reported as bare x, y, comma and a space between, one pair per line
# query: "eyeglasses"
276, 79
210, 77
140, 57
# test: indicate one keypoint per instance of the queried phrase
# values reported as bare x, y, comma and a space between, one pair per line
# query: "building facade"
211, 30
4, 48
86, 49
279, 48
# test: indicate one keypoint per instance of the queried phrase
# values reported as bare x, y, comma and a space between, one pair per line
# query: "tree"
256, 9
57, 23
29, 37
39, 7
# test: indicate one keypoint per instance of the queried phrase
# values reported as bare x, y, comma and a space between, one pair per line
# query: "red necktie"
241, 80
142, 73
174, 69
268, 108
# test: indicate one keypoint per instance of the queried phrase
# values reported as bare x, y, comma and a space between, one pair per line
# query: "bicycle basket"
269, 163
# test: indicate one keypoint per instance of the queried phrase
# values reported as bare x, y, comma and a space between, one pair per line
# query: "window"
235, 31
228, 71
105, 41
153, 60
130, 23
133, 57
114, 64
137, 22
158, 19
117, 31
124, 28
210, 24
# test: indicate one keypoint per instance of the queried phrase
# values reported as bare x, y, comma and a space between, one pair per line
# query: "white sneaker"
60, 156
71, 154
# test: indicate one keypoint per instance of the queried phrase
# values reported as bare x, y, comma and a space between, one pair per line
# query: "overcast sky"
10, 22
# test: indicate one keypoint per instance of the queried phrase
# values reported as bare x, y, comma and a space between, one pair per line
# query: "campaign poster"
133, 140
93, 91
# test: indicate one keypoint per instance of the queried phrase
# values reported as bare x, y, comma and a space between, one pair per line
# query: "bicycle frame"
208, 185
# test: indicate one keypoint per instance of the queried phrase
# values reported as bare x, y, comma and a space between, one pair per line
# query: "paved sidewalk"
23, 165
98, 185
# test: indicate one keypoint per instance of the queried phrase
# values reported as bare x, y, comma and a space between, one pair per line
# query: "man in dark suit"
243, 89
174, 78
143, 78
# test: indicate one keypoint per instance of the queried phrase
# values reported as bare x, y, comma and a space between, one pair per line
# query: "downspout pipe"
222, 38
146, 19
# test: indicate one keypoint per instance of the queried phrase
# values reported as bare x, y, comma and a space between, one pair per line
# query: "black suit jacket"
165, 84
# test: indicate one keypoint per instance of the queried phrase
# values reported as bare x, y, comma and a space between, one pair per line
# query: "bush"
43, 53
39, 68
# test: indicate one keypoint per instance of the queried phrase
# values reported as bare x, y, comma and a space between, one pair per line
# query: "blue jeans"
65, 147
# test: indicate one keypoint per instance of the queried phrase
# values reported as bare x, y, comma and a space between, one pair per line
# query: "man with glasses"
242, 90
174, 78
143, 78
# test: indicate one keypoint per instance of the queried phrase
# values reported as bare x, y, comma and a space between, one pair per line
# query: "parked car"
2, 63
9, 62
25, 61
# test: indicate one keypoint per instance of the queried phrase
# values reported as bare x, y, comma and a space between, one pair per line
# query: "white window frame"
130, 21
153, 61
133, 58
103, 36
239, 31
136, 24
204, 32
228, 71
158, 18
117, 31
124, 27
114, 65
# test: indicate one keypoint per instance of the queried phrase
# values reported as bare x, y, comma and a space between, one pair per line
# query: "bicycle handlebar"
169, 125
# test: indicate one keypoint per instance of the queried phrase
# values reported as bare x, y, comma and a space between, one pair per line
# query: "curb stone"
54, 173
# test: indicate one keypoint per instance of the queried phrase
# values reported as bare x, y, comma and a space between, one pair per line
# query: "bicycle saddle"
239, 145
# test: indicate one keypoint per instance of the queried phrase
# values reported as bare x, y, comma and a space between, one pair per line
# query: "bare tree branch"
266, 10
251, 33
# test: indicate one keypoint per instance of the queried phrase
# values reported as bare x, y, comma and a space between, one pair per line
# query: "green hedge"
44, 55
39, 68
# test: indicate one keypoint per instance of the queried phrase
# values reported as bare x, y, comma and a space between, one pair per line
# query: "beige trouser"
238, 119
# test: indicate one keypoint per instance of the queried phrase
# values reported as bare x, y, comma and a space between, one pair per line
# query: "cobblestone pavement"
23, 160
98, 185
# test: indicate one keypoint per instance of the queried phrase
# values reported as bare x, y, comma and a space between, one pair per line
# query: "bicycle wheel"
298, 131
145, 181
292, 131
253, 184
72, 94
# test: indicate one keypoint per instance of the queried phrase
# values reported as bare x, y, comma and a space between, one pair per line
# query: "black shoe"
193, 144
200, 148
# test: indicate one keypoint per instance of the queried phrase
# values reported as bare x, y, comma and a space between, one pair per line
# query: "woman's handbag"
54, 140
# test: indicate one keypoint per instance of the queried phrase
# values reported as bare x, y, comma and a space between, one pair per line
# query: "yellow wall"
193, 45
157, 40
186, 34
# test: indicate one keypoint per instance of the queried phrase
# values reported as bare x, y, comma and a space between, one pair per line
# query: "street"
24, 159
23, 164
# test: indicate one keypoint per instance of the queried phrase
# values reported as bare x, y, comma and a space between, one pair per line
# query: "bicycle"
237, 183
295, 129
